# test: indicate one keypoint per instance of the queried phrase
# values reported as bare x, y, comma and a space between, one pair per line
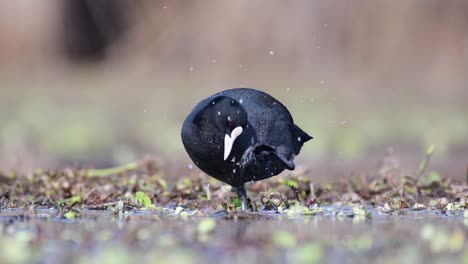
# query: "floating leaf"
299, 209
70, 215
178, 210
315, 209
385, 209
296, 209
418, 207
360, 211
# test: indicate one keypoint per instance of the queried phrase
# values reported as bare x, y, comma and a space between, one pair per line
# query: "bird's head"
231, 118
228, 117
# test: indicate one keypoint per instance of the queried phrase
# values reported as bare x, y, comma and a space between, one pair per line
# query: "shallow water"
165, 237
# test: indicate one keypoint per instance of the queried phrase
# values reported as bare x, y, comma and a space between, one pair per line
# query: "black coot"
242, 135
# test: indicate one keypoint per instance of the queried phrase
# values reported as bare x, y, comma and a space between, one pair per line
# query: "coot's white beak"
229, 140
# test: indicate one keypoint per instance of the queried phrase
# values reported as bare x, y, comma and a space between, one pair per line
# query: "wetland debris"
140, 185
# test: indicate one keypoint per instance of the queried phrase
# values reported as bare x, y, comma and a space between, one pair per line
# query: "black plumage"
242, 135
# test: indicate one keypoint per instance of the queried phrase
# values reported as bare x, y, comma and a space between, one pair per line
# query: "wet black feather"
268, 144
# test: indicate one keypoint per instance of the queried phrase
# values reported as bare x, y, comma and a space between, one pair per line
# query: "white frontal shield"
229, 141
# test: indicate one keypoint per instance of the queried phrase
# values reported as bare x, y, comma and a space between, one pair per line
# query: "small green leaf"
143, 199
292, 183
450, 207
184, 183
360, 211
70, 215
236, 202
297, 209
73, 200
433, 176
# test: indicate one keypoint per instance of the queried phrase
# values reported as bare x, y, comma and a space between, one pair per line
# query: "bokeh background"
98, 83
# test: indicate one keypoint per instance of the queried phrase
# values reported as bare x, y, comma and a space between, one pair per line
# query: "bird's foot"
251, 153
248, 157
242, 193
243, 201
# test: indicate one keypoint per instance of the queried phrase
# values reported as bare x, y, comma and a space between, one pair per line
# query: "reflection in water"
241, 228
251, 237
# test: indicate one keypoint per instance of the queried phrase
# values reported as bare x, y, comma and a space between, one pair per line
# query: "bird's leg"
242, 193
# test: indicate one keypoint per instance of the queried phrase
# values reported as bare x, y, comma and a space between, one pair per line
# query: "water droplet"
325, 25
192, 68
241, 101
272, 52
190, 166
238, 112
165, 7
229, 118
144, 110
214, 61
233, 159
344, 122
322, 82
234, 170
299, 139
288, 89
219, 112
240, 65
213, 102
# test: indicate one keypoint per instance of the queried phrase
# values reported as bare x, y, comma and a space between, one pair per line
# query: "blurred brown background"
104, 82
